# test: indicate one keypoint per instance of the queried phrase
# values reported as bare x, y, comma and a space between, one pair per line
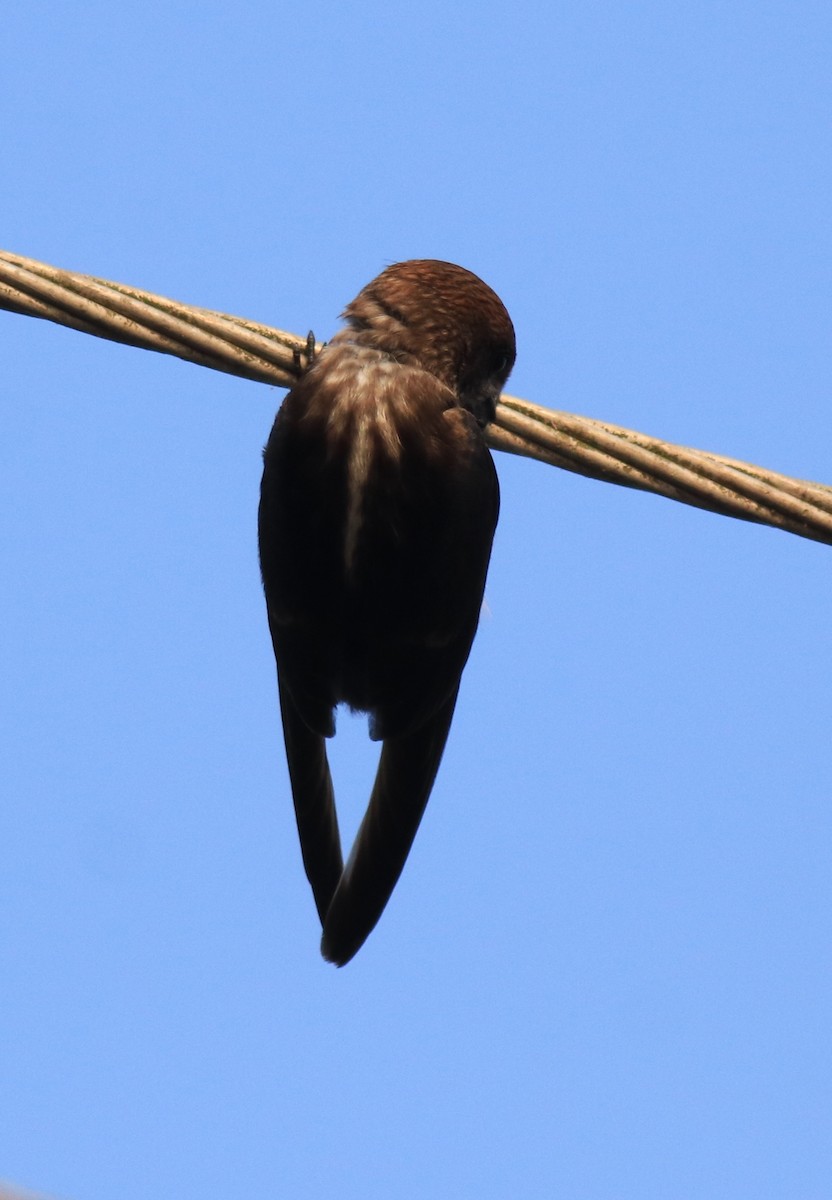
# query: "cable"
266, 355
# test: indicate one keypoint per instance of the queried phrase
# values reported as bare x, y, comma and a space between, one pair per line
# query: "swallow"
378, 507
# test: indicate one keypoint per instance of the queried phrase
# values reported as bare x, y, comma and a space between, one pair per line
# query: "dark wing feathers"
392, 639
406, 771
314, 800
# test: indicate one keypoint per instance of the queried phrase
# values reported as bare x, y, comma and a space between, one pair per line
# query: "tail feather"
406, 771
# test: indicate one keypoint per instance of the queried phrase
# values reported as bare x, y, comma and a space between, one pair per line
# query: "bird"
378, 506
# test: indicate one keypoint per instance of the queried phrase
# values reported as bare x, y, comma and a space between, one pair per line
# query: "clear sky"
607, 970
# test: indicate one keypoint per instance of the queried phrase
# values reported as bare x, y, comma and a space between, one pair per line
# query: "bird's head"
444, 319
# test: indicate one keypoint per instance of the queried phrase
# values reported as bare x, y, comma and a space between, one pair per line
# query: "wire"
266, 355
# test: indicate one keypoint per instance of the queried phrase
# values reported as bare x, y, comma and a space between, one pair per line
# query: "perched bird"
378, 507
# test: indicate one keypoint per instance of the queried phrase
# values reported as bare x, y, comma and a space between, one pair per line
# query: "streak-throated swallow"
378, 507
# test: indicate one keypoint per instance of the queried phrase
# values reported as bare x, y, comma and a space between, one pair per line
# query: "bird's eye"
499, 364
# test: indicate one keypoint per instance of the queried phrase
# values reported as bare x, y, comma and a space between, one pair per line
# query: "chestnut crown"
442, 318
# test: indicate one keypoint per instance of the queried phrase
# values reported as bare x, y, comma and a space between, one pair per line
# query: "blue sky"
607, 970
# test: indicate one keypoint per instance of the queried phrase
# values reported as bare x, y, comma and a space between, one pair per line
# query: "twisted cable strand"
580, 444
9, 1191
138, 318
694, 477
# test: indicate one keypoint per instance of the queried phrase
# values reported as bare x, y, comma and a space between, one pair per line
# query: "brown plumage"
378, 507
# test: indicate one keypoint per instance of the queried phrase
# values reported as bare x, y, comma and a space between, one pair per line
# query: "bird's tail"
406, 771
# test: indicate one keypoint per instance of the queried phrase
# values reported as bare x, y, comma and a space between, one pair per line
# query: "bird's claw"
308, 351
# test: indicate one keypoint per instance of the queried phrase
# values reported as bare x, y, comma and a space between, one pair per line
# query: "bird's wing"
314, 800
406, 771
